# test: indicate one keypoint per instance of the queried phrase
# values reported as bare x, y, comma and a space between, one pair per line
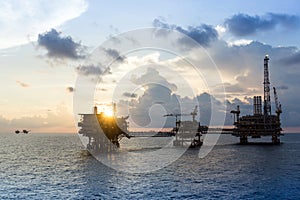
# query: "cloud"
130, 95
70, 89
233, 88
22, 84
22, 21
156, 100
152, 76
239, 42
243, 24
113, 53
59, 46
95, 70
292, 59
160, 24
159, 98
246, 61
242, 68
245, 105
203, 34
148, 110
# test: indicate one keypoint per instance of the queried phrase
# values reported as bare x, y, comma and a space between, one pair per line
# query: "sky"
46, 47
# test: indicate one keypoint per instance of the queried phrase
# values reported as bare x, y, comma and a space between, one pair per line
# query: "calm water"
52, 167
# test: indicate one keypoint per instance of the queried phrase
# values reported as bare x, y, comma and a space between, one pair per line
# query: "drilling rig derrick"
267, 98
260, 123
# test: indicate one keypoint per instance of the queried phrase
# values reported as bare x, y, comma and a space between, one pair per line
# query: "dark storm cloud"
130, 95
203, 34
70, 89
59, 46
113, 53
243, 24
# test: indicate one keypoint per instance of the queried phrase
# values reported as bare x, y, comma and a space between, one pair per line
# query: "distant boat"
24, 131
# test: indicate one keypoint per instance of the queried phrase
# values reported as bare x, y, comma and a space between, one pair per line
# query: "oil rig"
262, 122
103, 132
187, 132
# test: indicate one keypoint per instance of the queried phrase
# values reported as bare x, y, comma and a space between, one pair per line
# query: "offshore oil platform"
103, 132
262, 122
187, 132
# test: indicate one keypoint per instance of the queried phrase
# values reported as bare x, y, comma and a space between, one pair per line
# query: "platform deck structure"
103, 132
189, 133
262, 122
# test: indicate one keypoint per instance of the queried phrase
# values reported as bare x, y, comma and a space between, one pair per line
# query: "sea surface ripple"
52, 166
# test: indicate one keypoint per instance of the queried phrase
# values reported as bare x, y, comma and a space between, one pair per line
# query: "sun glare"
108, 113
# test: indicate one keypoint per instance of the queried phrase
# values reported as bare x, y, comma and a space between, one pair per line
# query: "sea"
54, 166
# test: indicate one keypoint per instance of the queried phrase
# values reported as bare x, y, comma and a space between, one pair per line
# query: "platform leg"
275, 139
243, 139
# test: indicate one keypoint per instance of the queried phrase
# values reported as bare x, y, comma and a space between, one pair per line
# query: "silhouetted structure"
24, 131
187, 132
259, 124
103, 132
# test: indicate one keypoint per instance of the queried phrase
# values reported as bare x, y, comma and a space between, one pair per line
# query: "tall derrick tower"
267, 101
260, 123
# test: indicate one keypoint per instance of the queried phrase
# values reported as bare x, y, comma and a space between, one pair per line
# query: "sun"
108, 113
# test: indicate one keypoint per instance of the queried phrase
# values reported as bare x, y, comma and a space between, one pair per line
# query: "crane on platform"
175, 115
177, 122
193, 114
277, 103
